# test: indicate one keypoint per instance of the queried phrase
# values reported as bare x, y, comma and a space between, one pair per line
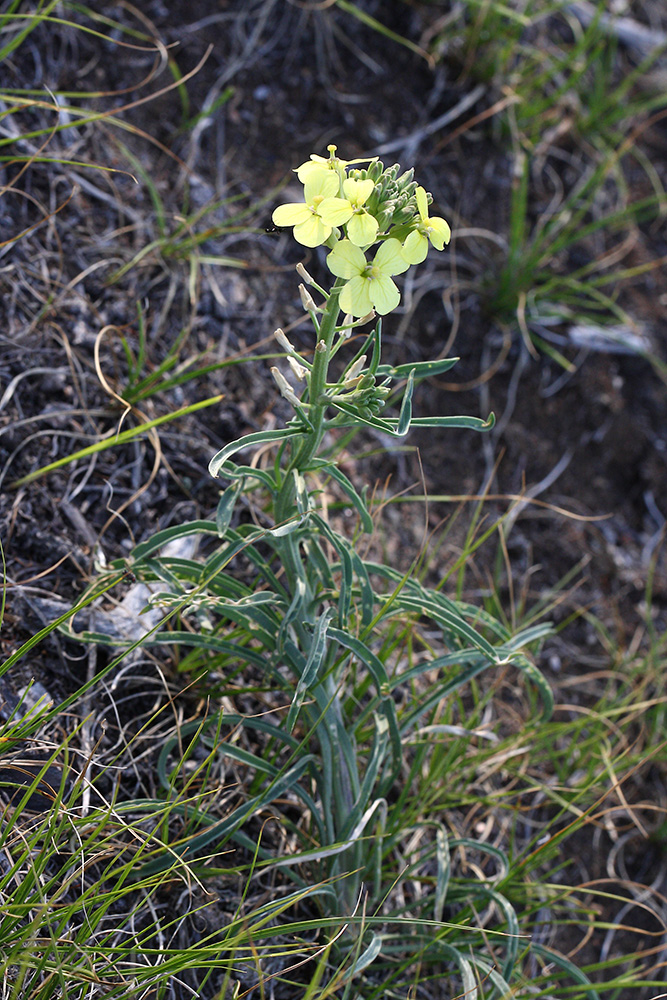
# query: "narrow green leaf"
249, 614
226, 504
232, 471
513, 933
382, 29
368, 955
444, 871
503, 988
301, 494
365, 588
440, 691
388, 709
258, 438
468, 977
160, 538
289, 527
468, 423
370, 778
33, 21
297, 609
237, 753
309, 676
343, 549
358, 501
380, 423
204, 641
389, 425
528, 636
318, 563
367, 657
452, 623
564, 963
539, 680
405, 415
242, 540
377, 348
421, 369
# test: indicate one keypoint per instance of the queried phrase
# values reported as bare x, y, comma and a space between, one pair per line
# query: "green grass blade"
120, 438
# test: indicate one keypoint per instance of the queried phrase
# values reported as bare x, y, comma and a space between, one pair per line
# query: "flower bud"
298, 369
284, 343
286, 389
346, 328
307, 300
356, 368
301, 271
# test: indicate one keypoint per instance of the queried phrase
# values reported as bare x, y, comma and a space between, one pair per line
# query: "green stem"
310, 442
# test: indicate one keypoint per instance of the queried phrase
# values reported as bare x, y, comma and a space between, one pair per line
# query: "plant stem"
310, 442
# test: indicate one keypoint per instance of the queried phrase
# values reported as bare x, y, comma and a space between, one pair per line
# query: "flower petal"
322, 183
290, 215
346, 260
335, 211
313, 232
390, 259
439, 232
384, 294
358, 191
415, 247
355, 296
422, 203
362, 229
311, 166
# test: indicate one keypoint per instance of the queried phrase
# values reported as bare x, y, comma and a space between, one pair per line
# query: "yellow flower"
361, 227
369, 285
331, 162
310, 229
434, 230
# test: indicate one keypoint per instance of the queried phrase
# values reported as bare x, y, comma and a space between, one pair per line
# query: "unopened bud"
307, 300
298, 369
301, 271
348, 323
356, 368
286, 389
284, 342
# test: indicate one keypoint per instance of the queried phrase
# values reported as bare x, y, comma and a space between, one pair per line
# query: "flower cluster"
350, 209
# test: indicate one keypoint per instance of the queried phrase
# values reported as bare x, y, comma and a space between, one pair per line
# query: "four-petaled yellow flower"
361, 227
436, 230
331, 162
369, 285
310, 228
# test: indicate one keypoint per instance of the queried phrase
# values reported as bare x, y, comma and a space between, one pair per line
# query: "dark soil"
587, 447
